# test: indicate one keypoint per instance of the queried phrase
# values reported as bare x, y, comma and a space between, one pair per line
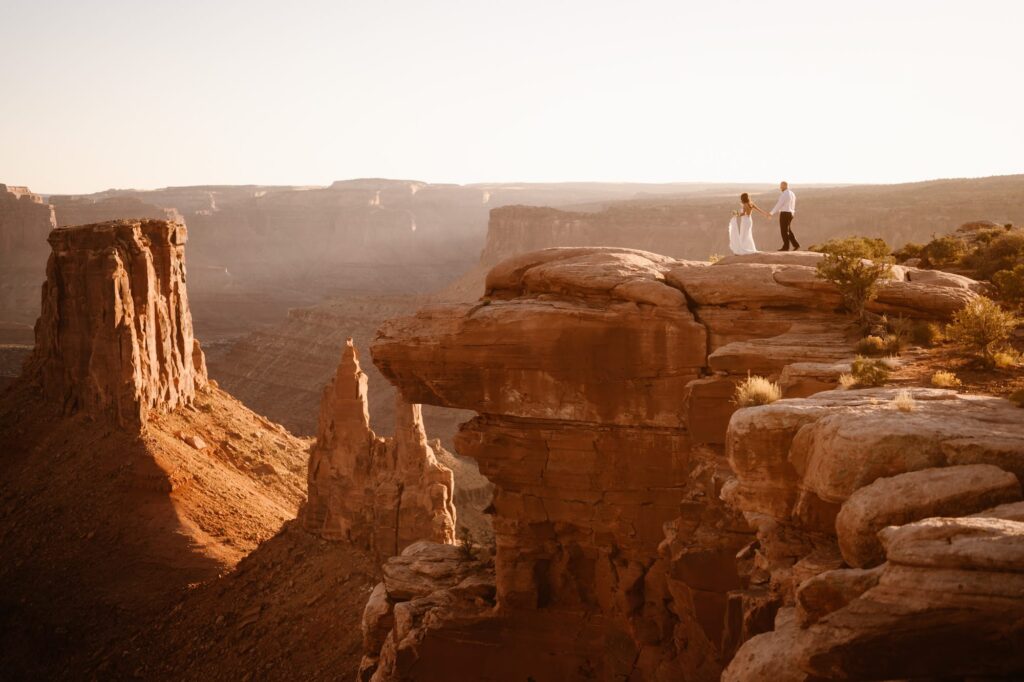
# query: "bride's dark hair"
745, 198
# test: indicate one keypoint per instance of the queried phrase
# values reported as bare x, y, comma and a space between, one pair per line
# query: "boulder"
901, 499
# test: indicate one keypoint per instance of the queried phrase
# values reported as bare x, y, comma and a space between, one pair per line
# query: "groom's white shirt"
786, 202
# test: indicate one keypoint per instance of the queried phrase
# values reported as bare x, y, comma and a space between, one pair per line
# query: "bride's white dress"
741, 235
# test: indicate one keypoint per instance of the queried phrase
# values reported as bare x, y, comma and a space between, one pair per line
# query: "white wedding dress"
741, 235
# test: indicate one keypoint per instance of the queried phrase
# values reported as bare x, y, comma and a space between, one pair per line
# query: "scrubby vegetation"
944, 379
755, 390
984, 251
903, 401
855, 265
866, 372
1009, 285
871, 345
983, 328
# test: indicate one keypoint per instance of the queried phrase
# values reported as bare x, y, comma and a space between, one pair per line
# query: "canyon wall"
695, 227
602, 380
25, 221
115, 334
381, 494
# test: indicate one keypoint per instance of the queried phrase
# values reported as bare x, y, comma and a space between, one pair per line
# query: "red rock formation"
603, 381
844, 476
25, 221
381, 494
115, 334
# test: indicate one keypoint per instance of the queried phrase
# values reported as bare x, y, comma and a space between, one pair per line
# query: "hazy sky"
146, 93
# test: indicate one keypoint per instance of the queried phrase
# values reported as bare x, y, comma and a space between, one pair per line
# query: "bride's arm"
760, 210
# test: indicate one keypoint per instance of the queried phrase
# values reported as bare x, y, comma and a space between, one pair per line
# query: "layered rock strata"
114, 337
25, 221
603, 382
381, 494
859, 543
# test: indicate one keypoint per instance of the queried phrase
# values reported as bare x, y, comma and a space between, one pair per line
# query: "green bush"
1005, 252
863, 247
909, 250
982, 327
941, 251
855, 275
1010, 285
869, 371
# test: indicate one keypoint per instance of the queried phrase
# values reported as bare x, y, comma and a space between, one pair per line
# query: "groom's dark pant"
785, 219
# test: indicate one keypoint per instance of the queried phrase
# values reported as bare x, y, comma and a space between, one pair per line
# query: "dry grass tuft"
944, 379
904, 402
755, 390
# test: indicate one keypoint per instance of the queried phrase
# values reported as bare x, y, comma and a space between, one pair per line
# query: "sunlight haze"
98, 94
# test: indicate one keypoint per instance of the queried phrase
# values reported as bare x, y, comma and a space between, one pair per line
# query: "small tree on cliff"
855, 269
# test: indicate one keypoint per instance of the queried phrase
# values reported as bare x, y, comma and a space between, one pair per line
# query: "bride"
741, 227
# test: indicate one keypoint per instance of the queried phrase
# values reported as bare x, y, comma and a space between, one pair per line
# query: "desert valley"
387, 430
392, 341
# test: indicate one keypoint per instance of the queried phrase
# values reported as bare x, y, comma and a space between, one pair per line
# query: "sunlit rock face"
114, 337
603, 380
887, 538
381, 494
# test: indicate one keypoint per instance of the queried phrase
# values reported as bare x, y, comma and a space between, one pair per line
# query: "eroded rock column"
381, 494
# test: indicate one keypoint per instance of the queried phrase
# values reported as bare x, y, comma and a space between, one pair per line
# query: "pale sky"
147, 93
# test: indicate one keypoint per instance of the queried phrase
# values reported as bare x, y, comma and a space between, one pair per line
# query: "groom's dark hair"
745, 198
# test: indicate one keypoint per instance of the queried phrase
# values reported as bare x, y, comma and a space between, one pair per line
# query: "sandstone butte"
647, 530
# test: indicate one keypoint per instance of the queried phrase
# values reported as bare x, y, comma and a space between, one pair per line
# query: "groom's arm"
778, 204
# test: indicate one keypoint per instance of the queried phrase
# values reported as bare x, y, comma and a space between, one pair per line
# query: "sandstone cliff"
603, 382
25, 221
115, 333
380, 494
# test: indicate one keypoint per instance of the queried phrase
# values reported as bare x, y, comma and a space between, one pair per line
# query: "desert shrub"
871, 345
925, 334
755, 390
854, 275
846, 380
895, 333
903, 401
1005, 252
862, 247
714, 258
941, 251
982, 327
1006, 359
869, 371
944, 379
1010, 285
467, 546
1017, 397
908, 251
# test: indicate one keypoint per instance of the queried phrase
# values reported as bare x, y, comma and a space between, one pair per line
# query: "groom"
786, 207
